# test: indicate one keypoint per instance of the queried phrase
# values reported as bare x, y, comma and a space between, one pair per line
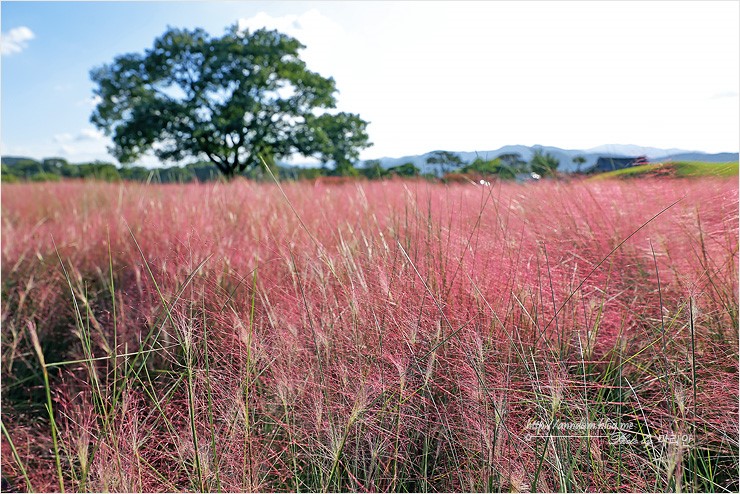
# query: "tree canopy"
544, 164
513, 161
229, 99
487, 167
579, 161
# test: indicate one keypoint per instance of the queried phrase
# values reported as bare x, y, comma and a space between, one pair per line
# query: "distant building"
608, 164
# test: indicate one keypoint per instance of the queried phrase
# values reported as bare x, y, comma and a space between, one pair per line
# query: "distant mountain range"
565, 156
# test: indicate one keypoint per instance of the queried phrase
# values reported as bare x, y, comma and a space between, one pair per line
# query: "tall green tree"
544, 164
446, 160
513, 161
229, 99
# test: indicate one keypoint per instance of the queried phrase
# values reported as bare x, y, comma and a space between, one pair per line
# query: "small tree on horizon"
373, 169
234, 100
404, 170
543, 164
513, 161
579, 161
445, 159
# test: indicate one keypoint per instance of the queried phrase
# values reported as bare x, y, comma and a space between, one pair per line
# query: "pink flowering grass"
370, 336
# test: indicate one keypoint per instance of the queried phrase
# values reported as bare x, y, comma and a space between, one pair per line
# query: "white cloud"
322, 36
14, 150
62, 138
90, 135
89, 102
67, 150
86, 134
311, 24
85, 145
15, 40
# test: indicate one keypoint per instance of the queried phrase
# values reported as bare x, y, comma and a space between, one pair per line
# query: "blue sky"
427, 75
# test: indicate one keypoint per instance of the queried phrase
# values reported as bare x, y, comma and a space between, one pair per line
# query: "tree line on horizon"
447, 166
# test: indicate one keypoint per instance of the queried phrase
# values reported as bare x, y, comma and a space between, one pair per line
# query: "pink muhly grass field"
370, 336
